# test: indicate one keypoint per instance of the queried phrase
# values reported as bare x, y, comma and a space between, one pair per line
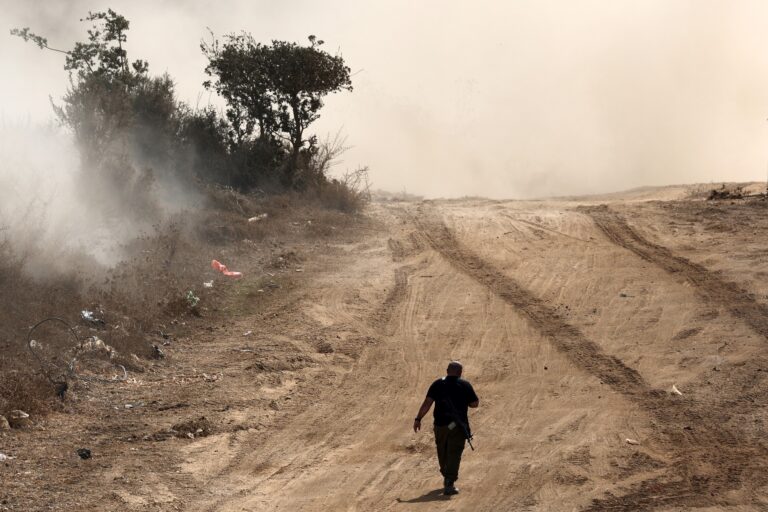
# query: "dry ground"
573, 318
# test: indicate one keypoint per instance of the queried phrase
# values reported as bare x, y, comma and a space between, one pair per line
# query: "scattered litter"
208, 284
258, 217
676, 391
19, 419
157, 352
90, 316
632, 441
247, 333
299, 270
125, 374
96, 344
4, 457
61, 390
260, 290
84, 453
192, 299
4, 425
192, 428
216, 265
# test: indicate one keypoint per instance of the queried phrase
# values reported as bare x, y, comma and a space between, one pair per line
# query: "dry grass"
25, 390
144, 296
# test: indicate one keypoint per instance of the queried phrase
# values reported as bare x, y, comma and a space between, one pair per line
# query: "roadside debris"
90, 317
19, 419
84, 453
4, 457
192, 299
96, 344
723, 192
208, 284
157, 352
4, 425
192, 428
258, 217
632, 441
216, 265
247, 333
676, 391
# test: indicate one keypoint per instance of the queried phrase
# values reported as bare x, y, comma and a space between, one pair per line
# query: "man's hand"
423, 410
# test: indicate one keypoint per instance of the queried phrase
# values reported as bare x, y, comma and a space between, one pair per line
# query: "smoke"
502, 99
57, 219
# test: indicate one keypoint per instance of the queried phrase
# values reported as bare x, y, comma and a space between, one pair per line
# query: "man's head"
454, 369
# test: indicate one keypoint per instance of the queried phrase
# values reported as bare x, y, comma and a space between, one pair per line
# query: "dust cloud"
499, 99
56, 219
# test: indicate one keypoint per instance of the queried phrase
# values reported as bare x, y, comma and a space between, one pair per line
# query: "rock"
84, 453
19, 419
4, 425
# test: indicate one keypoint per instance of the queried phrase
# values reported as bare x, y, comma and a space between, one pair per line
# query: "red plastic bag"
216, 265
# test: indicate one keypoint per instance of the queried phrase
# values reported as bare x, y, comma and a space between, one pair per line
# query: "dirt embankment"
619, 360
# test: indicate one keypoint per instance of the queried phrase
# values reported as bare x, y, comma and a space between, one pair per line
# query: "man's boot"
450, 488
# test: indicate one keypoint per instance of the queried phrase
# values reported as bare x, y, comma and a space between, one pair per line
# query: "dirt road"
574, 330
574, 322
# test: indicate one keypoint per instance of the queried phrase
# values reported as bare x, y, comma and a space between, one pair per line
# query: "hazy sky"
502, 99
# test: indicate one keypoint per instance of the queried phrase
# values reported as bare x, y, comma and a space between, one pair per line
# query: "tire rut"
712, 288
708, 460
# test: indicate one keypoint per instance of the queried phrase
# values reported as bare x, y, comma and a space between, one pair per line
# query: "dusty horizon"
505, 101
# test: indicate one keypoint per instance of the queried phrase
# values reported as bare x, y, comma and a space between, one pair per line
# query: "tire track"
708, 460
582, 351
711, 287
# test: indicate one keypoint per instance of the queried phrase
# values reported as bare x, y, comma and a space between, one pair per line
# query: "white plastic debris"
247, 333
632, 441
90, 316
258, 217
208, 284
96, 344
4, 457
676, 391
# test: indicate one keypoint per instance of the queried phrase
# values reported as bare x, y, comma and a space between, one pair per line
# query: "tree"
104, 84
124, 121
274, 92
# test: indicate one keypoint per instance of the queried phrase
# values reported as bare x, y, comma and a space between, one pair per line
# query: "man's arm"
473, 400
423, 410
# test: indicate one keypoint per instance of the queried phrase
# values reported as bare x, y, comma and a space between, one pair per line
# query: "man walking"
451, 395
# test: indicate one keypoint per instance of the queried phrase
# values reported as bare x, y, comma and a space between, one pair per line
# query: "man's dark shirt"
451, 389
